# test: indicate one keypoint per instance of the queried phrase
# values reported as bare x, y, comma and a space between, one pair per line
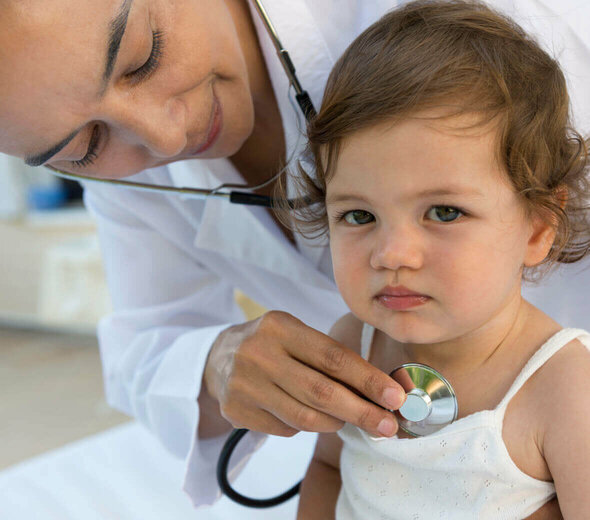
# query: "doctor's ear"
544, 230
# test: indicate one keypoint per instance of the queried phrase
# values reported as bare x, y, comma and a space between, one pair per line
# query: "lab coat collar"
245, 234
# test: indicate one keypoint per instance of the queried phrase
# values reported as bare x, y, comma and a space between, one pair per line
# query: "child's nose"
397, 247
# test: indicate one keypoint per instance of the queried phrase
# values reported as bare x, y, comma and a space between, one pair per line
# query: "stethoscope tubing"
223, 481
244, 198
302, 97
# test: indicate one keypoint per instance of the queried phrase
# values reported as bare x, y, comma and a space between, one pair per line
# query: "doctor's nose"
397, 247
160, 127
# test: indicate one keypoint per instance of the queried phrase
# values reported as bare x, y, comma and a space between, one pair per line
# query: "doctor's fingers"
323, 396
298, 415
341, 363
267, 408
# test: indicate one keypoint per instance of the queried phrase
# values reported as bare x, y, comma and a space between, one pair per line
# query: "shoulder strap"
539, 358
367, 340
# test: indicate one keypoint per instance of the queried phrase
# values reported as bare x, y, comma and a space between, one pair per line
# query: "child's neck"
468, 353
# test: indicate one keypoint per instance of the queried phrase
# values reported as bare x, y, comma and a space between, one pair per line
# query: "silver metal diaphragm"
430, 403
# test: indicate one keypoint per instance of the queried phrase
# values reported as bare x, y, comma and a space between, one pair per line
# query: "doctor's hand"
277, 375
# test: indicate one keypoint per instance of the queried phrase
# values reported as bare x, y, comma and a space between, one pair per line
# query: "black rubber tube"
231, 493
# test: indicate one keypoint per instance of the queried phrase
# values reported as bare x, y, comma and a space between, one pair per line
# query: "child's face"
423, 204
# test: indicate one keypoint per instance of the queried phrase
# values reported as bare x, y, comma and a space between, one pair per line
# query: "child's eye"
444, 213
357, 217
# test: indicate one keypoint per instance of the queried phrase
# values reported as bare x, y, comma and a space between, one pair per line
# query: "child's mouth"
400, 298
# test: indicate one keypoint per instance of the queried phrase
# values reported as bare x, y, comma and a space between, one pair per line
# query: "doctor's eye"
92, 152
356, 217
444, 213
153, 60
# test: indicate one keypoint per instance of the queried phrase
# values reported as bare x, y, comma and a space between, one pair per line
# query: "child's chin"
415, 333
414, 339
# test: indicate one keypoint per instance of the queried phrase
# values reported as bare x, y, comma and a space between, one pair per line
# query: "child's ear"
540, 241
543, 233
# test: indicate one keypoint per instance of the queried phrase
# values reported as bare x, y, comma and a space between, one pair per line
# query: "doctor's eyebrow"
117, 28
116, 31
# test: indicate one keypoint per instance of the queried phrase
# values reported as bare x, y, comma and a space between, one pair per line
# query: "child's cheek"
476, 282
350, 272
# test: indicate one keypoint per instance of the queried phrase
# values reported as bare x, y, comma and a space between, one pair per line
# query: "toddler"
446, 173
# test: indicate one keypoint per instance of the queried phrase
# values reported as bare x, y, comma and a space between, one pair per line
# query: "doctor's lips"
400, 298
214, 128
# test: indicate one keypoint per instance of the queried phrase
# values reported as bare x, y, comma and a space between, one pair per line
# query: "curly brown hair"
429, 52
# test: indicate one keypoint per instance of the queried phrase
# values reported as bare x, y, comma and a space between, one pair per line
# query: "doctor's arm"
168, 309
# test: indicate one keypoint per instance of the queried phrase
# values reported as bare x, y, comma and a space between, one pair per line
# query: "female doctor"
191, 93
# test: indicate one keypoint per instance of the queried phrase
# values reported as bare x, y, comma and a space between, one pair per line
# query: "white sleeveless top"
463, 471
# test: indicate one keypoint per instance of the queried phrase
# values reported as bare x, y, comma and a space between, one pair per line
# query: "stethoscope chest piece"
430, 403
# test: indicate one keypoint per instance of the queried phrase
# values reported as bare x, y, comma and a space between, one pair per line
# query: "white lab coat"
173, 265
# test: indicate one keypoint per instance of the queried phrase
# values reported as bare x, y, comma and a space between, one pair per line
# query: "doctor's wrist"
213, 367
211, 422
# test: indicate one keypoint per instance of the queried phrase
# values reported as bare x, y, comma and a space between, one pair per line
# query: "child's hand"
279, 376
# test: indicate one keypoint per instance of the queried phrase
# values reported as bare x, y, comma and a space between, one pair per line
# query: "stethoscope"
430, 402
223, 191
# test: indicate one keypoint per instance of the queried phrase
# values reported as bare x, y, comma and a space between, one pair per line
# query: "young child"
447, 173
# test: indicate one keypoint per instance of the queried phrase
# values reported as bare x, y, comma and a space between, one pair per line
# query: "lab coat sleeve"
168, 310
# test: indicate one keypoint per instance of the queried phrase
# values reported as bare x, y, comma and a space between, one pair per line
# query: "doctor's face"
428, 237
112, 87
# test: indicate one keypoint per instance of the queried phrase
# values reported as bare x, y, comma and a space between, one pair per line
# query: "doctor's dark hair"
467, 58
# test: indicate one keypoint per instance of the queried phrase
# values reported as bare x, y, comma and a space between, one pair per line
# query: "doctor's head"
112, 87
445, 166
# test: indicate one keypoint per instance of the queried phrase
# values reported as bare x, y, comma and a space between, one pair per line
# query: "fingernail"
386, 427
393, 398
